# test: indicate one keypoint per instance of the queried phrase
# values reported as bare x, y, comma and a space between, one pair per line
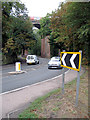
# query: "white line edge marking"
31, 85
21, 107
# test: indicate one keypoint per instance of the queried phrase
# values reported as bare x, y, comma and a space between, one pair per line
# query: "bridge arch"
37, 25
35, 21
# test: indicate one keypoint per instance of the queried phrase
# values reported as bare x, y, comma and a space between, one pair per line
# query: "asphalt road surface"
34, 74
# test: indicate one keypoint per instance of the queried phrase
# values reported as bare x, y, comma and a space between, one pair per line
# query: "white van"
32, 59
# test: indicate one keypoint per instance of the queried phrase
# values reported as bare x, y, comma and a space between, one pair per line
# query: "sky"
39, 8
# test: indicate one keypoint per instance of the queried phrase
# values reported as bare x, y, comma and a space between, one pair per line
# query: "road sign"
71, 60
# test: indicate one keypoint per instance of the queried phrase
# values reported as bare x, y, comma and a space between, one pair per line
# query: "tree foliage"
70, 25
36, 47
68, 28
45, 26
17, 34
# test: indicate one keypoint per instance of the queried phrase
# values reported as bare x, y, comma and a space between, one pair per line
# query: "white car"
54, 63
32, 59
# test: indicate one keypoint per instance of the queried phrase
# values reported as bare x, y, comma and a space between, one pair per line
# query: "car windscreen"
55, 60
30, 57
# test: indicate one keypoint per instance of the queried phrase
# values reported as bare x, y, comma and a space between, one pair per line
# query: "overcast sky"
39, 8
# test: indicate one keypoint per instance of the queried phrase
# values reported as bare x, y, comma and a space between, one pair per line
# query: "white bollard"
18, 66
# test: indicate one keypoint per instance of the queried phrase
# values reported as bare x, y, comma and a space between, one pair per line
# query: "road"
34, 74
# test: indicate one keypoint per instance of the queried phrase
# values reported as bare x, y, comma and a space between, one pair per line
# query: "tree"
10, 9
71, 25
17, 31
37, 47
78, 19
45, 26
59, 30
22, 33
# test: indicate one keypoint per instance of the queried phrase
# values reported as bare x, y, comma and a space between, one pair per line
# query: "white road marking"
32, 84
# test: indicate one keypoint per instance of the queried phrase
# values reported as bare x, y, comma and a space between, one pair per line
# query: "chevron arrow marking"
72, 60
64, 58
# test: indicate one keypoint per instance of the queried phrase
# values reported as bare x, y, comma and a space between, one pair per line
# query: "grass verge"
57, 105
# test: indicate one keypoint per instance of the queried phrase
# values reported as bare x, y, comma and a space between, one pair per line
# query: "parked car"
54, 63
32, 59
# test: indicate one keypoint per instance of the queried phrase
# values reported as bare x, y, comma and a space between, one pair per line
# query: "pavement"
15, 101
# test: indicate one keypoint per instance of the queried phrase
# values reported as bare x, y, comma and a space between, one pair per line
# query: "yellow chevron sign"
71, 60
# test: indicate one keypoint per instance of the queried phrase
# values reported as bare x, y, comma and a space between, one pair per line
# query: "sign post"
63, 78
63, 81
78, 82
71, 60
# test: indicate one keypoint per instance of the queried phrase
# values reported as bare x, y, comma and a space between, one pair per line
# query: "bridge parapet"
36, 21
